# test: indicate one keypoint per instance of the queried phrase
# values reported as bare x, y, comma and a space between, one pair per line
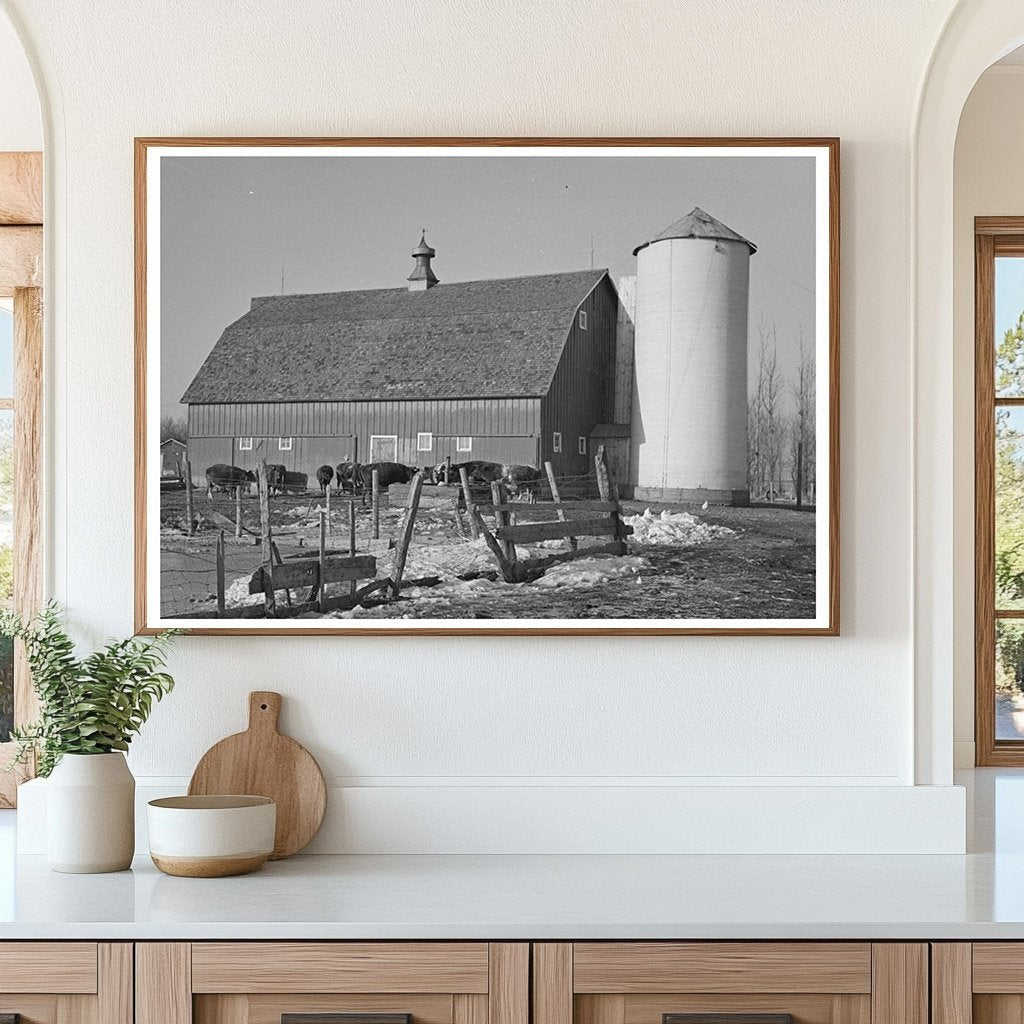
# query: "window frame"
246, 448
556, 442
581, 445
459, 447
993, 237
282, 447
420, 434
582, 321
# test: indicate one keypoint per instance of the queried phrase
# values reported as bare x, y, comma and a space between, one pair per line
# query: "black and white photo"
450, 387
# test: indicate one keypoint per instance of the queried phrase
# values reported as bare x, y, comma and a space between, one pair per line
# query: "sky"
233, 227
1009, 293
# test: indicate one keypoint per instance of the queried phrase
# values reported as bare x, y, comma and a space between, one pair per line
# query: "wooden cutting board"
262, 762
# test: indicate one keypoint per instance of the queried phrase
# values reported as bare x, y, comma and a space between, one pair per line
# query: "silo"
690, 407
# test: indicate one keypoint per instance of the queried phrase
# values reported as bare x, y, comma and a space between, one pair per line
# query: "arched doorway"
976, 34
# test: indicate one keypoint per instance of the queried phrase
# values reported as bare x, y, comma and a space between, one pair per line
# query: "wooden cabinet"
760, 982
263, 982
978, 983
66, 982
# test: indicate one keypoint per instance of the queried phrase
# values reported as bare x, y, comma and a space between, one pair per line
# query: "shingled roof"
471, 339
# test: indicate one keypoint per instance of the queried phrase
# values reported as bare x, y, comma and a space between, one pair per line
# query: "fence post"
447, 470
329, 508
321, 603
266, 552
352, 543
190, 523
474, 527
405, 536
376, 504
570, 542
609, 492
499, 496
220, 575
238, 511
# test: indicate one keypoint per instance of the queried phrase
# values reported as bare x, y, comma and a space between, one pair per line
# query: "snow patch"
676, 528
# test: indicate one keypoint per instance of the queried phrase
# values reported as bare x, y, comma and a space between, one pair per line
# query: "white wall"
987, 181
429, 716
21, 126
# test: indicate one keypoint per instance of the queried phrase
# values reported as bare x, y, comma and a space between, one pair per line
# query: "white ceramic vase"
90, 814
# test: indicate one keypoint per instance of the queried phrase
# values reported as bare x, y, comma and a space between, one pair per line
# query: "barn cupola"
422, 276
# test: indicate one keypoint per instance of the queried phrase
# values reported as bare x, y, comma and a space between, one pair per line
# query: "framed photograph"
445, 386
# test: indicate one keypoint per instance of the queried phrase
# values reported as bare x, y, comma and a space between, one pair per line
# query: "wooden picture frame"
318, 574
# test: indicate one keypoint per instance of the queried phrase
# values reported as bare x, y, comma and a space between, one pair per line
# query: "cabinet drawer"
730, 983
66, 982
332, 983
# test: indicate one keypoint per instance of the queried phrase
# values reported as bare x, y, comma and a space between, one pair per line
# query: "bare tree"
173, 427
766, 420
802, 449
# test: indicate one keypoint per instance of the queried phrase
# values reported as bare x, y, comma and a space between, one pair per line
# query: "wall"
563, 733
989, 155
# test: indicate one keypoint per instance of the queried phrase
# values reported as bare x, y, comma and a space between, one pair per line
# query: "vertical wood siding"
582, 392
326, 433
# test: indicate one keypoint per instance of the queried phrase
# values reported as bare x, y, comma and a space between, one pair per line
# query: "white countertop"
496, 897
977, 896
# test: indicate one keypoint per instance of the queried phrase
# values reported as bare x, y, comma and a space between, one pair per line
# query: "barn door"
384, 448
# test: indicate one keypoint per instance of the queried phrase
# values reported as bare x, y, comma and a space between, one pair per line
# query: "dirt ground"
719, 563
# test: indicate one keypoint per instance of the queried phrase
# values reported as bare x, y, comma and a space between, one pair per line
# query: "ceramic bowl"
211, 836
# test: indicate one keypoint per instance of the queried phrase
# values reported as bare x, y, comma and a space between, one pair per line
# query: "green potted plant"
90, 708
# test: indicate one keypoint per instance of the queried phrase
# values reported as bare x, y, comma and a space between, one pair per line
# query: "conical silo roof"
698, 224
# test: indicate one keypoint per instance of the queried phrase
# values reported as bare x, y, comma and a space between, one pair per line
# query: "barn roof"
698, 224
471, 339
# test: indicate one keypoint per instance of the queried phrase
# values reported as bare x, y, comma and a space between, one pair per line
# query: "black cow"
324, 476
388, 473
276, 474
345, 476
221, 477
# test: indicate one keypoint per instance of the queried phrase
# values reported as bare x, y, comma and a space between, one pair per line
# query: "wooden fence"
574, 519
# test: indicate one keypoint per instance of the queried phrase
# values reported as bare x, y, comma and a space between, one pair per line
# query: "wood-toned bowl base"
209, 867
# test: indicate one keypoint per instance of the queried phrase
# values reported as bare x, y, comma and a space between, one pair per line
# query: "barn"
172, 452
517, 370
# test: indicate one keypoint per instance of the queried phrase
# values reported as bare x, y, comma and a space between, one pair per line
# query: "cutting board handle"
264, 710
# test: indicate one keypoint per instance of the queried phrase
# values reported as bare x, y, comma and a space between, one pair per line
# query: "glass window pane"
6, 353
1009, 327
6, 567
1009, 521
1009, 679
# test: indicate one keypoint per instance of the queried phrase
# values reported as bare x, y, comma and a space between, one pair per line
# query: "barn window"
284, 444
463, 444
556, 441
581, 446
583, 319
245, 444
424, 442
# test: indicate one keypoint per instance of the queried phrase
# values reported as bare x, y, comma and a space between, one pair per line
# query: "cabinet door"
730, 983
66, 982
980, 982
332, 983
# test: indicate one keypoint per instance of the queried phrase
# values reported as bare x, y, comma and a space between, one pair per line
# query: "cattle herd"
357, 478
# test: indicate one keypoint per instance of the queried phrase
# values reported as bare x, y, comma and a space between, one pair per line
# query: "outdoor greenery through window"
1009, 496
6, 516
